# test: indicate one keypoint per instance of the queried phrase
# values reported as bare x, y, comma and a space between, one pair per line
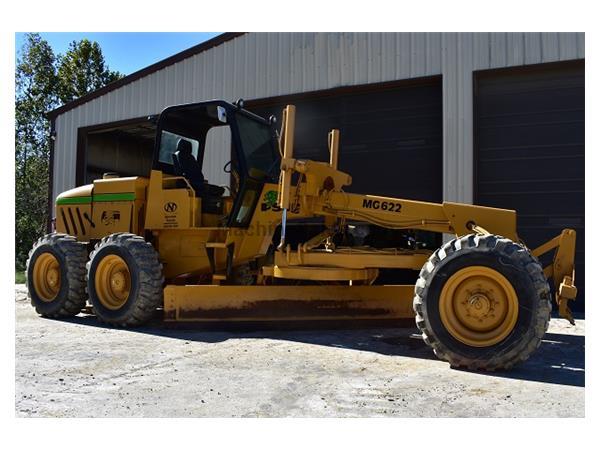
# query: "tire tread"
75, 255
151, 278
519, 255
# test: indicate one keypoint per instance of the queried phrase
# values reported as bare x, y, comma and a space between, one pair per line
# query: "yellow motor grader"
133, 245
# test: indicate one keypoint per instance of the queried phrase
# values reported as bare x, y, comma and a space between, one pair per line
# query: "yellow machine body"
313, 281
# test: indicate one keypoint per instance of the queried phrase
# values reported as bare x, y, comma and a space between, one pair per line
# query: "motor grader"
171, 241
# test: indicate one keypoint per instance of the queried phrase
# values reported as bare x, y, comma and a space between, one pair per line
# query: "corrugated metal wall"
260, 65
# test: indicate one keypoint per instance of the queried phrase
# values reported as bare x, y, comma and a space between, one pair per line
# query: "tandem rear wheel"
482, 302
56, 275
124, 280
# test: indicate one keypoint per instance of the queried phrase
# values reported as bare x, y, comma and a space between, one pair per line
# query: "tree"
43, 82
82, 70
36, 87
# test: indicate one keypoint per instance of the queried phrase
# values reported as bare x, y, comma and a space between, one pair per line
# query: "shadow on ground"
559, 360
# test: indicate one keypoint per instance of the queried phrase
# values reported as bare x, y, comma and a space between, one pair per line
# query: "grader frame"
319, 192
171, 241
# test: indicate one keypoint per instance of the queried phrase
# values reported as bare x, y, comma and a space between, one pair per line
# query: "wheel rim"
478, 306
112, 282
46, 277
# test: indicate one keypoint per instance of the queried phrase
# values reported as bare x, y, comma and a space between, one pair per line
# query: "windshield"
257, 145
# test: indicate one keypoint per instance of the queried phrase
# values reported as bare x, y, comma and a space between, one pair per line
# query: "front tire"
56, 275
125, 280
482, 302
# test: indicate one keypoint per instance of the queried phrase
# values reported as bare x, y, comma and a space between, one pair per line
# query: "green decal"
123, 197
73, 200
270, 199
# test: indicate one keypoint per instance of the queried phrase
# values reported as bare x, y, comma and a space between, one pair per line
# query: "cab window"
168, 146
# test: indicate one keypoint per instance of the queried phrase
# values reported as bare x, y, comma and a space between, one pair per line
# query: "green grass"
19, 277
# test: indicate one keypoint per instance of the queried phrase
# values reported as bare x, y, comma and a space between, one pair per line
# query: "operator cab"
181, 150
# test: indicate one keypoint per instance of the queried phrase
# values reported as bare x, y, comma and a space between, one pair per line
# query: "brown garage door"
530, 144
391, 135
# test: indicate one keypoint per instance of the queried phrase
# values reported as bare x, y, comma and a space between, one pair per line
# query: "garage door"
530, 144
124, 148
391, 135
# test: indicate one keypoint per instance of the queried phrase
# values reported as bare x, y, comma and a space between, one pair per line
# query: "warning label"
170, 217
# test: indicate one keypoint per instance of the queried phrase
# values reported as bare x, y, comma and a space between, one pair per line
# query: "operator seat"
188, 166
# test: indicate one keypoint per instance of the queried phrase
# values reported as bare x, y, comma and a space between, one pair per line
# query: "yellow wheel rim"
46, 277
112, 282
478, 306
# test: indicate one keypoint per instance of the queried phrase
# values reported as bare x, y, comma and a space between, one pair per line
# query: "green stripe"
121, 197
124, 197
73, 200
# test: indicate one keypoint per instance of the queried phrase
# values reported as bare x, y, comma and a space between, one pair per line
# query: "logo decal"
110, 218
170, 207
270, 200
269, 203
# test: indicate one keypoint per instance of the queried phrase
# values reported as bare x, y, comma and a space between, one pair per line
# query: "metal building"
490, 118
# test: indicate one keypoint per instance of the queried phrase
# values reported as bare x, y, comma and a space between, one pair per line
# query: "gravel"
80, 368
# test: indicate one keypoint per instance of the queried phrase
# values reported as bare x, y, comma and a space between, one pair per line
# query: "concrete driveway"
79, 368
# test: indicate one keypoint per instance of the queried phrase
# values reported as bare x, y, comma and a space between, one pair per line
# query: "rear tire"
56, 275
125, 280
457, 291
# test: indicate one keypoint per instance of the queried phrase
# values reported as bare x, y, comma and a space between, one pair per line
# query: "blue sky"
127, 52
